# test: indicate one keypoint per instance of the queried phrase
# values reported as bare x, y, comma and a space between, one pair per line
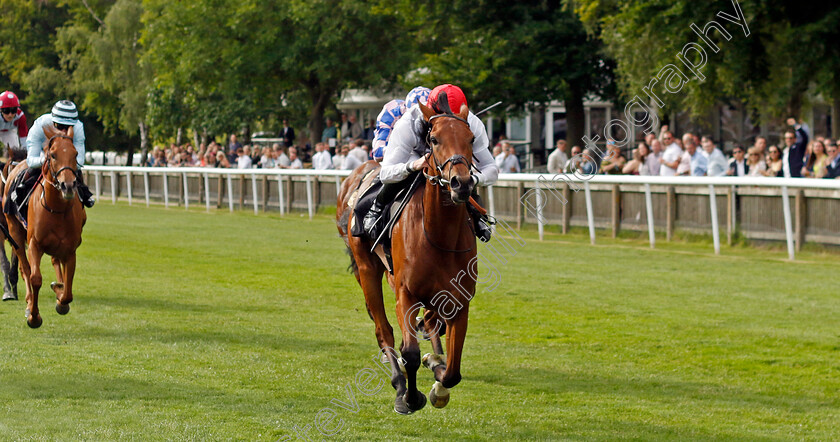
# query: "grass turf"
222, 326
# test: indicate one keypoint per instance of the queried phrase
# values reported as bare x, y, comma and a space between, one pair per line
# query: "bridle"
439, 180
53, 175
48, 163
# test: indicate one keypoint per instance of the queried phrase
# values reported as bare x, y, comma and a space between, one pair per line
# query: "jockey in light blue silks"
64, 115
391, 113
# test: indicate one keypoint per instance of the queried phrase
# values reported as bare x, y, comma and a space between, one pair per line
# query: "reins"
53, 175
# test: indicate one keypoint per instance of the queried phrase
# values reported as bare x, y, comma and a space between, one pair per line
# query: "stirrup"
373, 220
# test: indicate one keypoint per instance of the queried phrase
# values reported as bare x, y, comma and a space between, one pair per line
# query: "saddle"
21, 211
362, 199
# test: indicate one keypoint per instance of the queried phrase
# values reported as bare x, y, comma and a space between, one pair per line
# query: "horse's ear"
427, 111
70, 132
50, 131
465, 112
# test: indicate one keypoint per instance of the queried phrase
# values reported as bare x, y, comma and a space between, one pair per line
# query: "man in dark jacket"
793, 158
833, 162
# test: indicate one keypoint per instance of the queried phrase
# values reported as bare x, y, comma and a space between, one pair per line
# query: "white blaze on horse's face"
451, 141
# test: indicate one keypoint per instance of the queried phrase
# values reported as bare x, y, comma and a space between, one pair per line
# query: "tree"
523, 53
769, 61
109, 74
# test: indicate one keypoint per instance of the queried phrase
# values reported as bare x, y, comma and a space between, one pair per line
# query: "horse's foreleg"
33, 318
434, 327
65, 272
456, 332
413, 400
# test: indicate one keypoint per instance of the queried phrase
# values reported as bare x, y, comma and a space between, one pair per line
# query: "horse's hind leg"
64, 287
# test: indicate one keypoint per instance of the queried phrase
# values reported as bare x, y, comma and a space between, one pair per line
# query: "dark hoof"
34, 322
418, 403
62, 309
400, 407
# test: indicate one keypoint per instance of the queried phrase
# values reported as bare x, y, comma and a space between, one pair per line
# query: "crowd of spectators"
346, 145
277, 156
692, 155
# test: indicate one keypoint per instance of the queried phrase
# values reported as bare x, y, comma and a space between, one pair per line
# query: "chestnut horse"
432, 242
55, 221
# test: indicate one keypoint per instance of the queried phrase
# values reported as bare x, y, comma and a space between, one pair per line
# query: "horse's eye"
433, 140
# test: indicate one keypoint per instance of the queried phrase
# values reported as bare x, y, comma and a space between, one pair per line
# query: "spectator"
233, 148
774, 165
738, 165
693, 162
511, 161
222, 160
340, 155
653, 162
672, 156
322, 159
558, 159
636, 166
832, 167
344, 128
574, 162
793, 157
649, 137
615, 161
587, 166
755, 162
356, 130
761, 146
716, 162
267, 158
294, 161
329, 132
243, 159
358, 152
351, 160
287, 133
370, 130
282, 161
499, 155
817, 161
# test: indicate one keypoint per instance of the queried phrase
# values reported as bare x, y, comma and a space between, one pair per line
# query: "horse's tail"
343, 228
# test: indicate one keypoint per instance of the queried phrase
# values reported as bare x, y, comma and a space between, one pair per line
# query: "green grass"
195, 326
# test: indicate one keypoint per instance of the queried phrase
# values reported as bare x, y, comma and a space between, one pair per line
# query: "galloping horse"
9, 269
55, 221
432, 242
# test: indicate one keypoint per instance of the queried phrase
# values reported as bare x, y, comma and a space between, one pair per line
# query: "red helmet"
9, 99
454, 95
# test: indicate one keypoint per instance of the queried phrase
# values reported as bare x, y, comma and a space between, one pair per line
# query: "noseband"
439, 180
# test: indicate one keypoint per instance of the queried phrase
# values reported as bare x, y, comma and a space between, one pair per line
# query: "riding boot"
25, 181
481, 223
85, 195
374, 221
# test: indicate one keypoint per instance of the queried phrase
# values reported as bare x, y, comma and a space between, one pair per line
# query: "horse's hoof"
33, 322
62, 309
437, 397
10, 296
400, 407
418, 403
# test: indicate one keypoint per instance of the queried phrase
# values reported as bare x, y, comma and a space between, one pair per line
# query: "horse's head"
60, 164
451, 140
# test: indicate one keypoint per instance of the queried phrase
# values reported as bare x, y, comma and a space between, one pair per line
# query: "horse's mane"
15, 154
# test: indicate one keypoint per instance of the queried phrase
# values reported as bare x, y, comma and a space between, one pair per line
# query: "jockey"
391, 113
63, 116
405, 155
13, 130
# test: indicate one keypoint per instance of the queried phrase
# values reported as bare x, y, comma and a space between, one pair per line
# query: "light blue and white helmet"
65, 112
420, 94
